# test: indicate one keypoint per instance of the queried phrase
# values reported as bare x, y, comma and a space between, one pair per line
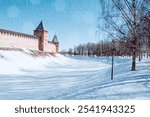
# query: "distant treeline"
106, 48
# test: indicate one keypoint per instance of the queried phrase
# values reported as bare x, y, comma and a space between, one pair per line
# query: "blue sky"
74, 21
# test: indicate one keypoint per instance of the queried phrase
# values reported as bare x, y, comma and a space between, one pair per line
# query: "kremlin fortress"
37, 41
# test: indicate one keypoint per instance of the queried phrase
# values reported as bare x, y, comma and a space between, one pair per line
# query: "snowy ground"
25, 77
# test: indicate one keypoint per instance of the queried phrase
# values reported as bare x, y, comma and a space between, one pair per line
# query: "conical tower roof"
40, 26
55, 39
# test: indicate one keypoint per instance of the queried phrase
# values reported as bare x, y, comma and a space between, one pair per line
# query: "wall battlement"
16, 34
38, 41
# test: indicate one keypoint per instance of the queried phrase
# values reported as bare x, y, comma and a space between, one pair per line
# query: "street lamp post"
113, 50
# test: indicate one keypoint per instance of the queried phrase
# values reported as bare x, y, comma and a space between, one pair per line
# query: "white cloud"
27, 27
35, 2
60, 5
13, 11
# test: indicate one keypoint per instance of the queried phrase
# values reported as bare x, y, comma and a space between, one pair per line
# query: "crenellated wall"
20, 40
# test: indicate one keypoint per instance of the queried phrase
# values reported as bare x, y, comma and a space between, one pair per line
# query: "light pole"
113, 50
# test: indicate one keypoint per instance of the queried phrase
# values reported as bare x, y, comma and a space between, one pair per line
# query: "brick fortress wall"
38, 41
10, 39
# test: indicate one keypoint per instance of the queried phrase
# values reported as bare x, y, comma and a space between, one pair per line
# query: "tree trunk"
140, 56
133, 68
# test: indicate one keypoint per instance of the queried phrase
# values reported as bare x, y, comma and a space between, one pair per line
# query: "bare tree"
70, 51
124, 23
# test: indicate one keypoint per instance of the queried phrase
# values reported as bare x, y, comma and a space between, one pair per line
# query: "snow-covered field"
25, 77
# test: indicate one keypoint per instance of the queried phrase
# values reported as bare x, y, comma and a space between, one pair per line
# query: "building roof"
18, 33
55, 39
40, 26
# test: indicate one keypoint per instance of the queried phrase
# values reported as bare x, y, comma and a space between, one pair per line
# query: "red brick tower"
55, 41
43, 36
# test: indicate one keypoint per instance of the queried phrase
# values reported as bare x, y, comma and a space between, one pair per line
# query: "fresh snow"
26, 77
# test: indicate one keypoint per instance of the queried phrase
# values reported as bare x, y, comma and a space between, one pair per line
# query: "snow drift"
18, 62
57, 77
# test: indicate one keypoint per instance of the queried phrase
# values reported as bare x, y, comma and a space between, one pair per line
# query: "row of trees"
125, 21
106, 47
